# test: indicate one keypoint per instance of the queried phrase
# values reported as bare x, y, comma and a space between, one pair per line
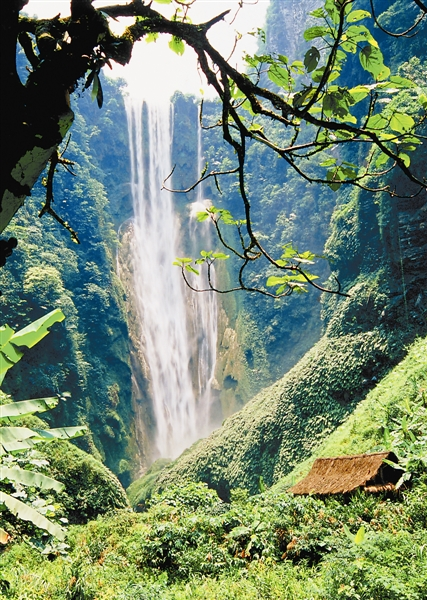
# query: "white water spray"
179, 336
205, 306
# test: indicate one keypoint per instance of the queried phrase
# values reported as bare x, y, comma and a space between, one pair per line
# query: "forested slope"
87, 354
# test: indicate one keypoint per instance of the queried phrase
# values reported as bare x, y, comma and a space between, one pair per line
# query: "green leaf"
358, 93
95, 86
336, 102
401, 122
348, 533
191, 269
177, 45
311, 59
377, 122
405, 158
17, 439
329, 162
298, 66
300, 277
163, 1
99, 95
333, 178
357, 15
6, 333
248, 107
298, 288
381, 160
360, 33
256, 128
36, 331
302, 97
31, 478
15, 410
289, 251
278, 75
360, 535
318, 13
27, 513
331, 9
318, 74
341, 56
202, 216
5, 364
315, 32
239, 532
405, 477
372, 60
29, 336
151, 37
402, 82
220, 255
274, 280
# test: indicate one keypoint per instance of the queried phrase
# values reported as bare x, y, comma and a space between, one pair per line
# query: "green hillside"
189, 544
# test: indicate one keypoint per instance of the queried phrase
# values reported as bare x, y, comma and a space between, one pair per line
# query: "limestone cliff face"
143, 425
411, 251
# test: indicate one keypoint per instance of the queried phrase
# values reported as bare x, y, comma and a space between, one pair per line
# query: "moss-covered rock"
90, 488
142, 489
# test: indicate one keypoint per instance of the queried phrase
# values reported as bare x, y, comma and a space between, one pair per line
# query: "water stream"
179, 329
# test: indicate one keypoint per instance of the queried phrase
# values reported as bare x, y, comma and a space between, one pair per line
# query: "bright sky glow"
155, 71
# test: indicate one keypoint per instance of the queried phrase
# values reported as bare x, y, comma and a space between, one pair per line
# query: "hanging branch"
404, 33
56, 159
202, 178
70, 48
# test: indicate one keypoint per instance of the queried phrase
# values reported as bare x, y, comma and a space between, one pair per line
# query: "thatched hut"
344, 474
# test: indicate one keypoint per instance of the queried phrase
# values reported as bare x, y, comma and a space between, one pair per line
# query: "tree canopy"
305, 111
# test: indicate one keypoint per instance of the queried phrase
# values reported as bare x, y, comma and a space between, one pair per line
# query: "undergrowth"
189, 544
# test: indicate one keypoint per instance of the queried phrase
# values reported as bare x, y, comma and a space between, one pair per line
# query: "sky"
155, 71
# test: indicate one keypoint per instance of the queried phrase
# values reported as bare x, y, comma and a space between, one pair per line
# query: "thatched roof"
346, 473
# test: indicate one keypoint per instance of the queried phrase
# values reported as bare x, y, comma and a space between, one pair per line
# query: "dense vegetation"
376, 247
190, 544
87, 355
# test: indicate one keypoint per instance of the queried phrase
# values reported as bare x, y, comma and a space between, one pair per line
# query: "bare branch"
404, 33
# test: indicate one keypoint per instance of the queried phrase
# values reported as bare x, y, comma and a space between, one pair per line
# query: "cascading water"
205, 308
179, 335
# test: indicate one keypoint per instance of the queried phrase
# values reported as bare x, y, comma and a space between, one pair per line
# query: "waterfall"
205, 305
179, 331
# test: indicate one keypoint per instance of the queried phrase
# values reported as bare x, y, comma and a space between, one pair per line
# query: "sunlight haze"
155, 71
